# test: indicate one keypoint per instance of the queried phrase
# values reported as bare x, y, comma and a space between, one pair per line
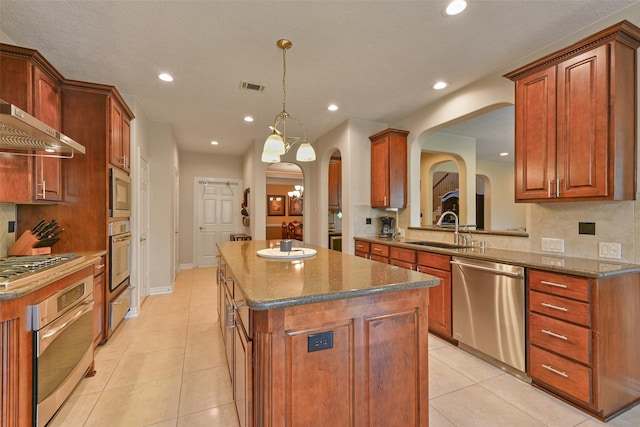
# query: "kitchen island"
331, 339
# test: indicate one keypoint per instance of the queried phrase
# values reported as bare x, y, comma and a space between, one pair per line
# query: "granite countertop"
40, 280
558, 263
329, 275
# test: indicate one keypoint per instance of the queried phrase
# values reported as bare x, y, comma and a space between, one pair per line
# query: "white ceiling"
377, 60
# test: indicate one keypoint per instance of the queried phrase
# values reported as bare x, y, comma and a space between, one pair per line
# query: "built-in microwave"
119, 194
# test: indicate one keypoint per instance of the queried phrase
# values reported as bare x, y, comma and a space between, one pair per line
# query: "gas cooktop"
19, 270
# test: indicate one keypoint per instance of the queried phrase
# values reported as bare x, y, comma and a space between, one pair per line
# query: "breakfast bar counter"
323, 339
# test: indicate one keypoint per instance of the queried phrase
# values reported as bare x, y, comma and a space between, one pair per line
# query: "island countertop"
329, 275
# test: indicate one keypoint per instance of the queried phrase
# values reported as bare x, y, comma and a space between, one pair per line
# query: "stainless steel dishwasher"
489, 310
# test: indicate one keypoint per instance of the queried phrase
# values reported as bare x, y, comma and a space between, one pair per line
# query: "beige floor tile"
75, 411
436, 419
203, 331
221, 416
168, 423
463, 362
630, 418
104, 369
443, 379
144, 367
204, 355
475, 406
538, 404
137, 405
435, 342
160, 339
205, 389
203, 316
118, 342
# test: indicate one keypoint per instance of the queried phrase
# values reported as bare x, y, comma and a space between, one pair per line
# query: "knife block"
25, 246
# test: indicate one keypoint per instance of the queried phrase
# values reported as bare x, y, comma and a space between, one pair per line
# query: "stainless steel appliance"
119, 272
16, 271
386, 226
62, 346
488, 310
21, 131
119, 253
119, 194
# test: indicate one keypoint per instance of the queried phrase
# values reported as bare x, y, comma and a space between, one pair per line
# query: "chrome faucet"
456, 235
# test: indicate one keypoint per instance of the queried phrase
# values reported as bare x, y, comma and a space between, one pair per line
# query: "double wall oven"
119, 269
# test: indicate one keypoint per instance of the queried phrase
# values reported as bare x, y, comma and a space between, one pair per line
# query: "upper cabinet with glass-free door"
576, 120
389, 169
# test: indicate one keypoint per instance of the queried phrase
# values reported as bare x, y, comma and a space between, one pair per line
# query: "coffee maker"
386, 226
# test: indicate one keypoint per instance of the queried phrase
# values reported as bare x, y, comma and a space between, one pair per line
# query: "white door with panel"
217, 217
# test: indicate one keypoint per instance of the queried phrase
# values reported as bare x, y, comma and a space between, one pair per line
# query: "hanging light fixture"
278, 143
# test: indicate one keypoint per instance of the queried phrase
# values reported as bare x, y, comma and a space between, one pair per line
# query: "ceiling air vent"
252, 86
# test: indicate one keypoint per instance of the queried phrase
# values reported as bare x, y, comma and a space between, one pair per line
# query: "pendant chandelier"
278, 143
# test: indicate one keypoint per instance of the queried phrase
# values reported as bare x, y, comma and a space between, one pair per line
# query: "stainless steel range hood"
23, 132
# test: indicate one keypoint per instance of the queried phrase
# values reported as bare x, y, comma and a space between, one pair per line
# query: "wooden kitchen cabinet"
583, 339
575, 120
362, 248
28, 81
335, 183
379, 252
120, 131
99, 306
440, 309
389, 169
401, 257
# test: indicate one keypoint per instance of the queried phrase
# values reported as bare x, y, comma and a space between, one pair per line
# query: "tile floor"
167, 368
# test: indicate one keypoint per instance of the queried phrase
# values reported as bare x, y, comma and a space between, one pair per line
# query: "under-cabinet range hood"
23, 132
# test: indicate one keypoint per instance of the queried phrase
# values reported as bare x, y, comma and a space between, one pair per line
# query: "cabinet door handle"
557, 285
558, 187
553, 334
549, 188
377, 249
555, 307
555, 371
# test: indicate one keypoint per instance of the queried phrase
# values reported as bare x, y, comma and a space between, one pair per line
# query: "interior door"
218, 216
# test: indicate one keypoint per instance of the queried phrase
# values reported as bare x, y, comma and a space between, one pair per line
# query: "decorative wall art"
275, 205
295, 206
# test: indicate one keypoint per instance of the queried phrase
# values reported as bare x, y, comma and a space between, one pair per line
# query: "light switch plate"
552, 245
610, 250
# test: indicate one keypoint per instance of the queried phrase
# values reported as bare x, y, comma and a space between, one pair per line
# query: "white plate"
296, 253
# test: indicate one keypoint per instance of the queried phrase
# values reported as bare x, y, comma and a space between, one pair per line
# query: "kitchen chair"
295, 230
285, 230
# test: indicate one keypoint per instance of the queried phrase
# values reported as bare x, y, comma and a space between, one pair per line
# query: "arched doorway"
285, 198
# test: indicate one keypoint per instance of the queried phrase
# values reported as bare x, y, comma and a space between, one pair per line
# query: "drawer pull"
557, 285
377, 249
555, 307
553, 334
555, 371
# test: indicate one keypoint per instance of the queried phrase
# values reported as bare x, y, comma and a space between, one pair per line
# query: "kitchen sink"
442, 245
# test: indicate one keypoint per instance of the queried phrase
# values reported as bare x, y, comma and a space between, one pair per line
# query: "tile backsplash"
7, 213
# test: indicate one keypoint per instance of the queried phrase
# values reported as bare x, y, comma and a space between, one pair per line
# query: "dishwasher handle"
492, 270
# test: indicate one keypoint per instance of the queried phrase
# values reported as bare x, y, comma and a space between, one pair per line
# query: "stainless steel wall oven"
119, 253
62, 346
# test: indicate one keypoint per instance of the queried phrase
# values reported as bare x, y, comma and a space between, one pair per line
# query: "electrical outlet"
320, 341
367, 220
552, 245
12, 227
610, 250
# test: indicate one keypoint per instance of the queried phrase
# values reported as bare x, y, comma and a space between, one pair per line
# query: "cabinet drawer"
560, 337
380, 250
361, 254
379, 258
99, 267
558, 284
403, 264
362, 246
560, 308
562, 374
441, 262
407, 255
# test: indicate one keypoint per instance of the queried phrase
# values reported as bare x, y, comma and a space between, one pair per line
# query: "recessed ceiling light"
455, 7
440, 85
165, 77
214, 142
248, 119
332, 107
504, 154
